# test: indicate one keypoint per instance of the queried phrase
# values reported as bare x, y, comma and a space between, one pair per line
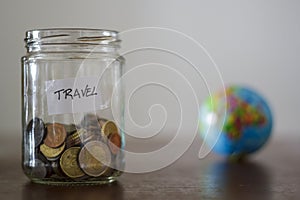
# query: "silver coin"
36, 131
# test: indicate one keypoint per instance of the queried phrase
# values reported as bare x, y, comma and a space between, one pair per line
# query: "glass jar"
72, 106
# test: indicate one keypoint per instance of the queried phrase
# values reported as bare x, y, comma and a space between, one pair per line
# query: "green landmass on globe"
240, 114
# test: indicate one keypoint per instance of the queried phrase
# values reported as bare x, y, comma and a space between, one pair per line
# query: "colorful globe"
237, 121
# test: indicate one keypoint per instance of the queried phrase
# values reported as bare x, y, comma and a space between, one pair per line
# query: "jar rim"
36, 38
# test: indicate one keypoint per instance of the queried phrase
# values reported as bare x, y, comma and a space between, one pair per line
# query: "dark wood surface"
272, 173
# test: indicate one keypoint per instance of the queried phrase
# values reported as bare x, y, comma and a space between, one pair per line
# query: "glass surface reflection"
232, 180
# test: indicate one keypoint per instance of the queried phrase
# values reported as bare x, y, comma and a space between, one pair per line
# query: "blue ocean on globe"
237, 121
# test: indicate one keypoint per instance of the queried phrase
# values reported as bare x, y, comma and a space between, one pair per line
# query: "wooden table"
272, 173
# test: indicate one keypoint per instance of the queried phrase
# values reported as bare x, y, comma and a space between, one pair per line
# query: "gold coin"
56, 135
76, 138
94, 158
70, 128
108, 128
51, 152
68, 163
74, 142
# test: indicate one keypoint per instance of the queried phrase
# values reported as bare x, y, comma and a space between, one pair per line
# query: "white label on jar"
73, 95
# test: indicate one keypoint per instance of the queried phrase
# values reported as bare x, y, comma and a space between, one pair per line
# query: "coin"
91, 138
36, 130
94, 129
94, 158
41, 156
56, 135
51, 152
89, 120
108, 172
53, 159
71, 138
102, 121
76, 138
70, 128
114, 143
56, 169
38, 169
108, 128
68, 163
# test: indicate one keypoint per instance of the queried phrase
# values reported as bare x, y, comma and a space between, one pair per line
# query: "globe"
237, 121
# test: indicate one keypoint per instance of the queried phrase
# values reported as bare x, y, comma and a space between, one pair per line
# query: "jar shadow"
32, 191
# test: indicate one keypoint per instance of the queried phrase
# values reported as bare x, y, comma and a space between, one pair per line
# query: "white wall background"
256, 43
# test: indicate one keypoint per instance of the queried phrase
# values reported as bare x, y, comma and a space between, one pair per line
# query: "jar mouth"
36, 39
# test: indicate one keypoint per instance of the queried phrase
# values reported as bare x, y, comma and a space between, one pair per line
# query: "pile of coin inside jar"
84, 151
